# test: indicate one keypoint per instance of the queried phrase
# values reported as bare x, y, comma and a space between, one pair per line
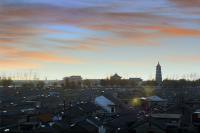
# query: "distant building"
115, 77
138, 81
158, 74
77, 80
94, 82
53, 83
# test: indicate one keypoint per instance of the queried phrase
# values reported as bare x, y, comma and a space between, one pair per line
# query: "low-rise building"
105, 104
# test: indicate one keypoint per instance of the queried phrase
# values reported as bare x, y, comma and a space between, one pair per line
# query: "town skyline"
33, 75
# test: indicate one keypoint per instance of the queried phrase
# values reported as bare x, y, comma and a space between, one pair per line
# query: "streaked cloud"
184, 58
186, 3
70, 32
8, 64
12, 53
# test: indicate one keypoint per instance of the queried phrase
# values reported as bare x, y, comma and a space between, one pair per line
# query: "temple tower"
158, 74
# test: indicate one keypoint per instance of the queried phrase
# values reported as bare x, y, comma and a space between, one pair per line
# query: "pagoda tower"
158, 74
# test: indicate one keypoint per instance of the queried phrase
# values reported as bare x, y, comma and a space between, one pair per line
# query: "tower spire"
158, 63
158, 74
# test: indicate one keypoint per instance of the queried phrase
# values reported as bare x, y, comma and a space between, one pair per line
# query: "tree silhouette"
6, 82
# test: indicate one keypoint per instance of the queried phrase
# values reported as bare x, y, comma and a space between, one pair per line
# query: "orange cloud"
7, 41
174, 31
10, 53
80, 48
186, 3
47, 57
16, 64
180, 32
184, 58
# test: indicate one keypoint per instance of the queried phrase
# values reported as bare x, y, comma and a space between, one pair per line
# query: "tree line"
6, 82
118, 83
102, 83
174, 83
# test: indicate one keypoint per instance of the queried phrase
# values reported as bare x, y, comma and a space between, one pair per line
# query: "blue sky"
98, 38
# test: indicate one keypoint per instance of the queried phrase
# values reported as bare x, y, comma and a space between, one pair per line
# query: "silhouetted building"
115, 77
158, 74
76, 80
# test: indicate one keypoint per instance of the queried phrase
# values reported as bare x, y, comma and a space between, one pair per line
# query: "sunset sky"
97, 38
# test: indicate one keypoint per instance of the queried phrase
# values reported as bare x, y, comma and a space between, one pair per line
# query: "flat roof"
167, 116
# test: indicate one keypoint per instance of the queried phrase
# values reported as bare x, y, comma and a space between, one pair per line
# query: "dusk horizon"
34, 75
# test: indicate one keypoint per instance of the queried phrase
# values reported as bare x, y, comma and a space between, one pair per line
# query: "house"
45, 118
83, 127
196, 118
120, 106
155, 103
167, 120
144, 127
88, 125
97, 123
156, 100
80, 111
105, 104
122, 122
158, 123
